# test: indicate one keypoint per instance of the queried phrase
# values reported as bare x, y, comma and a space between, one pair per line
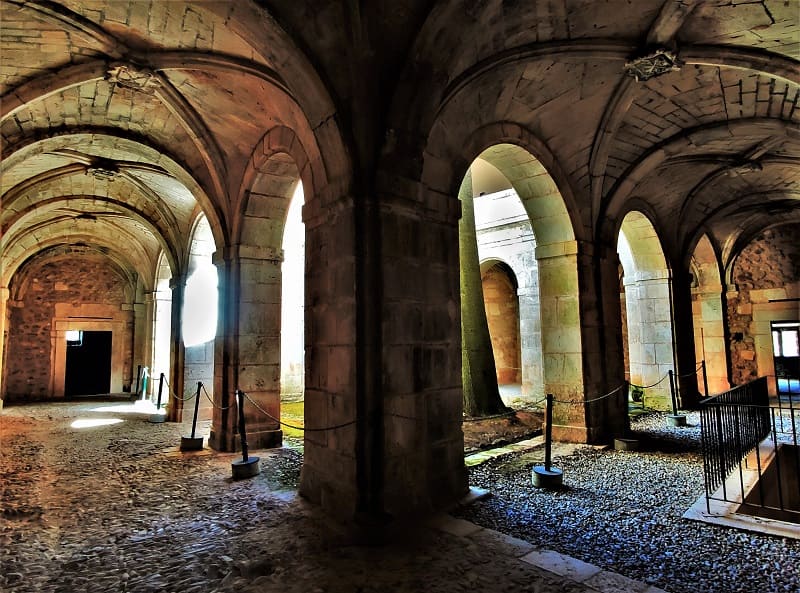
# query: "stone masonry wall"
77, 280
502, 315
772, 260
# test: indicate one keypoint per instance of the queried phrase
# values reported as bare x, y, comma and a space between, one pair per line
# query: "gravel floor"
623, 511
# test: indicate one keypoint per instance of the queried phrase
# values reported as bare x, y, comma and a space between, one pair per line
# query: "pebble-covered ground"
116, 508
623, 511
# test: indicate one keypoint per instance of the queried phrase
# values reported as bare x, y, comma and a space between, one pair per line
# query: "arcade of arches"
643, 158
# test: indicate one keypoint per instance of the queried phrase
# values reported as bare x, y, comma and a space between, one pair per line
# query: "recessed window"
74, 337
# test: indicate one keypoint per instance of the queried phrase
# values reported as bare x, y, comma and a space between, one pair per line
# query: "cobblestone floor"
117, 508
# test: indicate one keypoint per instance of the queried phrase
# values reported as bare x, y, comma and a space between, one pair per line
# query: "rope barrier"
302, 428
590, 401
694, 372
650, 386
215, 405
172, 393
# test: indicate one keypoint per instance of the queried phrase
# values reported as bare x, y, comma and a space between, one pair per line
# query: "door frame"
58, 340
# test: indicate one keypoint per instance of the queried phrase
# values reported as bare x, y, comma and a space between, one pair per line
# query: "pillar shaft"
686, 364
176, 351
247, 347
4, 295
479, 373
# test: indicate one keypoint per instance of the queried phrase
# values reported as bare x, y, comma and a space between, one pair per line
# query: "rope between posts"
697, 370
286, 424
649, 386
215, 405
589, 401
192, 395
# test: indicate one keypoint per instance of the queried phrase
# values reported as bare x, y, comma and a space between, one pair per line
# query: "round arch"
709, 316
647, 300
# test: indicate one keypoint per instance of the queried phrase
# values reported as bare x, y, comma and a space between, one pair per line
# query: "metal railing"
750, 452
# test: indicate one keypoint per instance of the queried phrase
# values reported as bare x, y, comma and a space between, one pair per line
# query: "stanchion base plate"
544, 478
245, 469
158, 418
191, 443
676, 420
626, 444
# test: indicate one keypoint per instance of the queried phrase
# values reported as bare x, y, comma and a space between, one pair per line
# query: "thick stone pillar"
581, 341
249, 330
650, 339
422, 353
176, 351
687, 371
341, 465
479, 373
561, 337
383, 356
601, 340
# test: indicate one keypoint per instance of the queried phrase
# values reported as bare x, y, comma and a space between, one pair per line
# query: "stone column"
142, 339
709, 338
685, 360
247, 347
341, 466
601, 341
383, 355
258, 336
422, 352
176, 351
479, 373
650, 340
561, 337
4, 313
530, 334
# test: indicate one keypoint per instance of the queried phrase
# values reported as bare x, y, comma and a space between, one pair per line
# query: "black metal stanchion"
248, 466
193, 443
158, 416
135, 393
627, 441
547, 476
674, 419
705, 379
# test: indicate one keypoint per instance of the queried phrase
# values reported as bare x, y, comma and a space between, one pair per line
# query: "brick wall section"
74, 281
771, 261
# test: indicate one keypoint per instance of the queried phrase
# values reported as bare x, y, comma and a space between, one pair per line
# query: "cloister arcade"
631, 169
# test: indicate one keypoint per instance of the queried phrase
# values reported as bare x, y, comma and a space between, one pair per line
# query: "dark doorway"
786, 350
88, 364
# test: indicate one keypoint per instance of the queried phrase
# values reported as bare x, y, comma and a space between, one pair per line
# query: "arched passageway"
708, 314
648, 309
199, 315
120, 126
502, 314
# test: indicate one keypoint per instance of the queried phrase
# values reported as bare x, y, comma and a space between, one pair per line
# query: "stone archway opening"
292, 342
647, 301
199, 313
162, 324
708, 316
502, 314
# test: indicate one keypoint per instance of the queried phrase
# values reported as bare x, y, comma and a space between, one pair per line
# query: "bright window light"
200, 306
91, 422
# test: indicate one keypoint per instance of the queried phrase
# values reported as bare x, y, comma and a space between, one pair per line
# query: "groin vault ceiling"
121, 121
